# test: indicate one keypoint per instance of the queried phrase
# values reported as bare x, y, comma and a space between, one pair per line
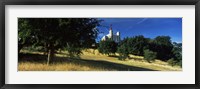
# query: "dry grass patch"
30, 66
90, 60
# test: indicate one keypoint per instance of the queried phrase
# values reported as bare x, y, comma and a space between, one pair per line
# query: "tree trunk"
20, 46
50, 55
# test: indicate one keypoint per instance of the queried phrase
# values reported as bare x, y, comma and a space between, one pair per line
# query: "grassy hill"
90, 60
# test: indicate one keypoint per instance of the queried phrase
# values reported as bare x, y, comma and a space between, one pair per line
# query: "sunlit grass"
30, 66
92, 60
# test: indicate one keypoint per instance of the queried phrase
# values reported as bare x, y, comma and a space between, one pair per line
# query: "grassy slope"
90, 61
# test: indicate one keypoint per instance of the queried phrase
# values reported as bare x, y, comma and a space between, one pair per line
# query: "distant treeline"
161, 48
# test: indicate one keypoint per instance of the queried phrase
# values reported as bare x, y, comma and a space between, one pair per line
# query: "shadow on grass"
115, 56
37, 58
116, 66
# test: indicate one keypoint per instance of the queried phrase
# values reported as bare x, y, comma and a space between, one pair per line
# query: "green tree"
107, 47
171, 62
137, 44
55, 33
132, 45
177, 51
177, 54
163, 46
123, 51
149, 55
25, 34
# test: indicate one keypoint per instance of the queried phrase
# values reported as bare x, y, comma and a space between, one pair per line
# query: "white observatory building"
114, 37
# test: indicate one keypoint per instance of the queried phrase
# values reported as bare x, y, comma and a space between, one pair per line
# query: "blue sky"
148, 27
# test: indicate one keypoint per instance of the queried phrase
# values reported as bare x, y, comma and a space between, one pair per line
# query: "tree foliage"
107, 47
59, 33
123, 51
137, 44
163, 46
160, 48
171, 62
149, 55
176, 55
25, 34
133, 45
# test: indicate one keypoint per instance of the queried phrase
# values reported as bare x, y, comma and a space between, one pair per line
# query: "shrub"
171, 62
107, 47
73, 52
149, 55
179, 63
123, 52
174, 62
